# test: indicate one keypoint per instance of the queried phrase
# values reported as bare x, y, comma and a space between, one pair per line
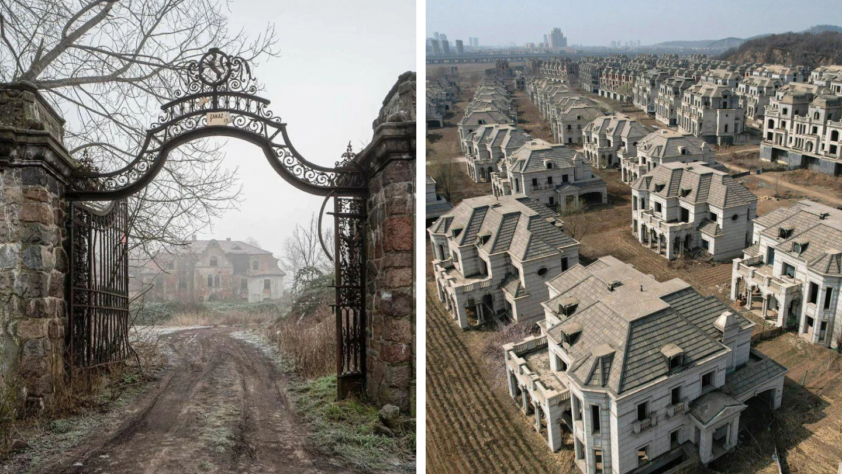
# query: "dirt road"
221, 407
774, 180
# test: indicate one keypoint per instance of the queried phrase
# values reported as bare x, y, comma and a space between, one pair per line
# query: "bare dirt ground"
800, 183
221, 407
470, 426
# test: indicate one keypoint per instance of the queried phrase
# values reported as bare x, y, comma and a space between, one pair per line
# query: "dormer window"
799, 246
685, 192
567, 306
549, 165
456, 231
659, 187
570, 332
785, 232
674, 356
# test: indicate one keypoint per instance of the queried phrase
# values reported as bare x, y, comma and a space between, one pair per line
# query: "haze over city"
499, 23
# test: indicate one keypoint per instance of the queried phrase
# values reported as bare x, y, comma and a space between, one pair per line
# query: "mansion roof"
627, 321
524, 228
695, 182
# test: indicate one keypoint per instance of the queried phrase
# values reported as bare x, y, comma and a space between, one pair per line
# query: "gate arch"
218, 98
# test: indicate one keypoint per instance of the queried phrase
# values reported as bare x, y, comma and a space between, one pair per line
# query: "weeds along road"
220, 407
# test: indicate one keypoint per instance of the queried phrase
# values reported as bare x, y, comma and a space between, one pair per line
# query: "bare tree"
108, 65
303, 257
252, 241
577, 224
448, 175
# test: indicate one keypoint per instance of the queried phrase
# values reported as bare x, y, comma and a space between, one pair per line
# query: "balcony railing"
678, 408
643, 425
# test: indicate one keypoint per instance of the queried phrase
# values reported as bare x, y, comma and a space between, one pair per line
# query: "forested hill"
805, 49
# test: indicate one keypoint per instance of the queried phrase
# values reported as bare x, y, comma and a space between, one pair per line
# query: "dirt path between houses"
772, 179
221, 407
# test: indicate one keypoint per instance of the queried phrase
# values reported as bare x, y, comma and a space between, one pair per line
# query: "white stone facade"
678, 207
493, 256
794, 271
599, 322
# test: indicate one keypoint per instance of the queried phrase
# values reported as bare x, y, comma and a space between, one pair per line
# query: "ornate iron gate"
217, 98
98, 329
349, 258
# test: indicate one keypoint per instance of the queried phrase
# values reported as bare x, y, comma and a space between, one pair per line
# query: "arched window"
210, 281
816, 115
254, 265
834, 135
213, 261
216, 281
549, 165
771, 123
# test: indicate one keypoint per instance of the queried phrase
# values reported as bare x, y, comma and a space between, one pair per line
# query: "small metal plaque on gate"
219, 118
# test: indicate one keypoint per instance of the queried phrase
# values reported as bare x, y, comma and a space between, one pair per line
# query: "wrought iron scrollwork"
218, 97
349, 258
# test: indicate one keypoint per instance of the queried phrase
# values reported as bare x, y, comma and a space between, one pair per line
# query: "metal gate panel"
98, 329
349, 258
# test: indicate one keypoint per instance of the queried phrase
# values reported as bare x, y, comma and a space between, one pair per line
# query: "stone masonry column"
34, 168
389, 163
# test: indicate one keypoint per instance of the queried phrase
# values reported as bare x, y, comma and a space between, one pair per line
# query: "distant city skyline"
638, 20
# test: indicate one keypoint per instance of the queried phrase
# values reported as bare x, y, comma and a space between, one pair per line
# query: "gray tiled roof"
758, 370
665, 143
706, 184
636, 317
513, 224
818, 225
534, 154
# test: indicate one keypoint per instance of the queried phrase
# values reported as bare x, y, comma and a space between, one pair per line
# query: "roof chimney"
228, 239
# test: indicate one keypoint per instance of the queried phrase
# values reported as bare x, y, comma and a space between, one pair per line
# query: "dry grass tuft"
308, 343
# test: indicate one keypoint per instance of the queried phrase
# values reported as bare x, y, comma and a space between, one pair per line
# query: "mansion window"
213, 261
267, 284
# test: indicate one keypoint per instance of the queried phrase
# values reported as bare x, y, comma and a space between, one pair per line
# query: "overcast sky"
338, 61
498, 22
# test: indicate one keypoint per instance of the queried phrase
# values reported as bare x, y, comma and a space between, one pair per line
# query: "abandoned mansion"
209, 270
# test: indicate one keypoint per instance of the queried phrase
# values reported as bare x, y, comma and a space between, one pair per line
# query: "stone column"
554, 434
537, 409
34, 171
389, 162
512, 384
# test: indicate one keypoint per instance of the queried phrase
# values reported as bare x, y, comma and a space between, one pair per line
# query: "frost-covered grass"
346, 429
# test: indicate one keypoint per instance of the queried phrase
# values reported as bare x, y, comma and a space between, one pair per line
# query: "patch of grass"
346, 429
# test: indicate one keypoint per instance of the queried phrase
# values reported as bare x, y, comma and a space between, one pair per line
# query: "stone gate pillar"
389, 163
34, 166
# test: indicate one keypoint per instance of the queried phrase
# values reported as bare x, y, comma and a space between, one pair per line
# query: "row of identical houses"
650, 375
441, 95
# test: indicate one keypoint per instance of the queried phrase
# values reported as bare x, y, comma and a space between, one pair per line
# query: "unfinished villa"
489, 145
554, 175
792, 274
566, 111
642, 375
802, 129
660, 147
493, 256
611, 138
679, 207
491, 104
